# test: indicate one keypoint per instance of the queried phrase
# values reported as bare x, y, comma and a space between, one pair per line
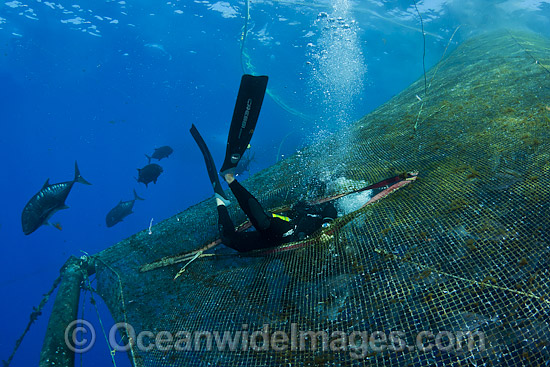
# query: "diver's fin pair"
210, 166
246, 113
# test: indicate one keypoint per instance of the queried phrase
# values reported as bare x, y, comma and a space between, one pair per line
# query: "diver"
271, 229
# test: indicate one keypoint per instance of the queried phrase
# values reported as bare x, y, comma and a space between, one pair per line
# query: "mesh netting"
462, 253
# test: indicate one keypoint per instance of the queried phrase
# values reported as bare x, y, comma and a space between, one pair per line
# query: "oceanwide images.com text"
80, 337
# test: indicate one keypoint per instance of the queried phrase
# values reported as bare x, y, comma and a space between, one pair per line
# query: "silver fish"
47, 201
159, 153
121, 210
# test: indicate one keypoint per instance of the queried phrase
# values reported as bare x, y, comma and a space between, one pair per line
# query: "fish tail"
136, 197
78, 177
149, 158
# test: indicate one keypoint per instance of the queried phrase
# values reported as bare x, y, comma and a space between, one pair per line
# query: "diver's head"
329, 213
301, 207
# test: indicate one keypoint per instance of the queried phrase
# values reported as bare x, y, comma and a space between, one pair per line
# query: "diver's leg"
239, 241
271, 228
225, 224
249, 204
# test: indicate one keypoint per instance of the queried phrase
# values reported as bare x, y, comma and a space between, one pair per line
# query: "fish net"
452, 269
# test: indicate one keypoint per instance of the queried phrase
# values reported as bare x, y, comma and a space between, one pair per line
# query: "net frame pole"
55, 351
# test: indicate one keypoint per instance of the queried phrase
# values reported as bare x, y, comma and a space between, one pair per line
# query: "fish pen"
453, 269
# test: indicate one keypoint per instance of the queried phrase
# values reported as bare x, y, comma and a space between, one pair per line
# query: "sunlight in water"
338, 67
338, 71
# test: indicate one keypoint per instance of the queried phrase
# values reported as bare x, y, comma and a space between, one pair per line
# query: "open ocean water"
106, 82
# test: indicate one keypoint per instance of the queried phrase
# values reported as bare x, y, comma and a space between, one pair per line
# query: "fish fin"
77, 177
64, 206
149, 158
46, 184
136, 197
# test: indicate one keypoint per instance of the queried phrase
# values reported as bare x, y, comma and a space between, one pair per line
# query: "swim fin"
246, 113
210, 166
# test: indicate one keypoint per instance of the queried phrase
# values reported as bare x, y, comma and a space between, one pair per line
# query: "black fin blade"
210, 166
245, 116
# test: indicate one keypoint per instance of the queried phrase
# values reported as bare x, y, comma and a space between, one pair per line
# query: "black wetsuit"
270, 231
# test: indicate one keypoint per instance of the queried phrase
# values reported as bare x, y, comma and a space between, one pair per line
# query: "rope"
280, 145
527, 52
432, 79
195, 257
93, 302
246, 63
123, 304
474, 282
82, 317
424, 49
37, 311
244, 32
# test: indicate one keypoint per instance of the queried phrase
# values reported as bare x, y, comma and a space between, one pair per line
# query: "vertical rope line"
123, 304
93, 301
244, 32
424, 49
82, 315
432, 79
527, 52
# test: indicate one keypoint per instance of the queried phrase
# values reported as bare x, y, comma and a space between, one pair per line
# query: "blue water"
106, 82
